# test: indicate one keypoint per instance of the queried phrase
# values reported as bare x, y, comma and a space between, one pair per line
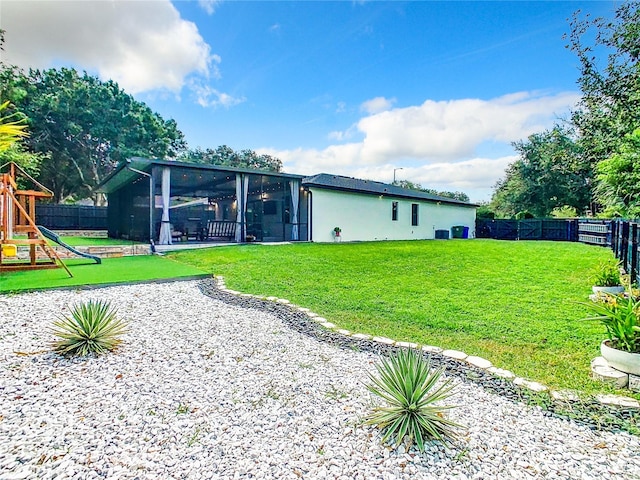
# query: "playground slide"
52, 236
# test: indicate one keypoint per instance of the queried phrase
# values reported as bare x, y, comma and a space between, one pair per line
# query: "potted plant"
620, 315
336, 231
606, 278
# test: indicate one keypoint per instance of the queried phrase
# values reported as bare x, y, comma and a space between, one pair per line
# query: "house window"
394, 211
414, 214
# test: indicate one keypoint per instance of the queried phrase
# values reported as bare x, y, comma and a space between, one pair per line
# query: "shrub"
607, 274
407, 385
620, 316
524, 214
566, 211
484, 211
91, 328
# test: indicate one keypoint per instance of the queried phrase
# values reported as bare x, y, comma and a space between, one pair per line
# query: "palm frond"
12, 128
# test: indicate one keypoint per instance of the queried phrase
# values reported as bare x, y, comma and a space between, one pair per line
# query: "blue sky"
439, 89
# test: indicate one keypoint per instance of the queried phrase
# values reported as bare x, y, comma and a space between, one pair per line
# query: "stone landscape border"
467, 367
102, 251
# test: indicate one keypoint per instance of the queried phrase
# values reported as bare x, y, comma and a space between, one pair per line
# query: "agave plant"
92, 328
406, 383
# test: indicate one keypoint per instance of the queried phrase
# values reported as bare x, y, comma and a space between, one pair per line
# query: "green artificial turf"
516, 304
86, 272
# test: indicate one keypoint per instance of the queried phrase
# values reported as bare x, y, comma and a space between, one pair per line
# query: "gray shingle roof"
338, 182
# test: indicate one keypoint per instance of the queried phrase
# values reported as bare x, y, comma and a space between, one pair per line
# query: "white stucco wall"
368, 217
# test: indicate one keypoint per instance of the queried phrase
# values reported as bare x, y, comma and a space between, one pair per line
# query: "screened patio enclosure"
171, 202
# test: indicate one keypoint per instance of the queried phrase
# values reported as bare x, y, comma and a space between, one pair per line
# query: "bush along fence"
71, 217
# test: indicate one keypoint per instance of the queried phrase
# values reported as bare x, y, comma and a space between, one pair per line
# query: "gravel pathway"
209, 389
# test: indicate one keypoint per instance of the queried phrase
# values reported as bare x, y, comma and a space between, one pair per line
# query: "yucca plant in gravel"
92, 327
409, 387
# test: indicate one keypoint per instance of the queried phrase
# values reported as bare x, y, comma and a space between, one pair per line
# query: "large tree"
226, 156
85, 127
609, 112
463, 197
558, 167
609, 52
550, 173
619, 179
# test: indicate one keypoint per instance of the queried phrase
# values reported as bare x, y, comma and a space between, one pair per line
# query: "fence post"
624, 244
633, 250
572, 227
637, 243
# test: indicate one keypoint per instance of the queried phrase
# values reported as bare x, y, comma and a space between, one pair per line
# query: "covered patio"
170, 202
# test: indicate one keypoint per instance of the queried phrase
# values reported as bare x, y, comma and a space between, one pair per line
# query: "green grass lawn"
514, 303
86, 272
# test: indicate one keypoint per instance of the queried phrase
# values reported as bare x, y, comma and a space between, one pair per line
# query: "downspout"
151, 202
310, 214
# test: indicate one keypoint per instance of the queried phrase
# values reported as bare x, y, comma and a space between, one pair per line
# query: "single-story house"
167, 201
368, 210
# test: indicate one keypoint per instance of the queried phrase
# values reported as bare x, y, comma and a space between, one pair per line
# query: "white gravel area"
203, 389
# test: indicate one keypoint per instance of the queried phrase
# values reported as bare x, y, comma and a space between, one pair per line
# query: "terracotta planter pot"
620, 360
611, 290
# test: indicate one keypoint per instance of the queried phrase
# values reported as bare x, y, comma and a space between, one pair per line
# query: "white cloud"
451, 130
341, 136
209, 6
436, 142
215, 69
448, 130
476, 173
333, 159
207, 96
377, 105
476, 176
142, 45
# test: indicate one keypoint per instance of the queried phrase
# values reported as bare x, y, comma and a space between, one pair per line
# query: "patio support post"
165, 225
295, 200
242, 194
239, 208
245, 198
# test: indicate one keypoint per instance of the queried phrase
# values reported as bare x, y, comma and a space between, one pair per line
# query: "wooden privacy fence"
529, 229
71, 217
625, 238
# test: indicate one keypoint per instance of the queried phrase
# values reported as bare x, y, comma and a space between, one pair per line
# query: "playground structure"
17, 218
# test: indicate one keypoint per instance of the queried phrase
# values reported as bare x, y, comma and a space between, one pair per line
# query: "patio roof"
125, 172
